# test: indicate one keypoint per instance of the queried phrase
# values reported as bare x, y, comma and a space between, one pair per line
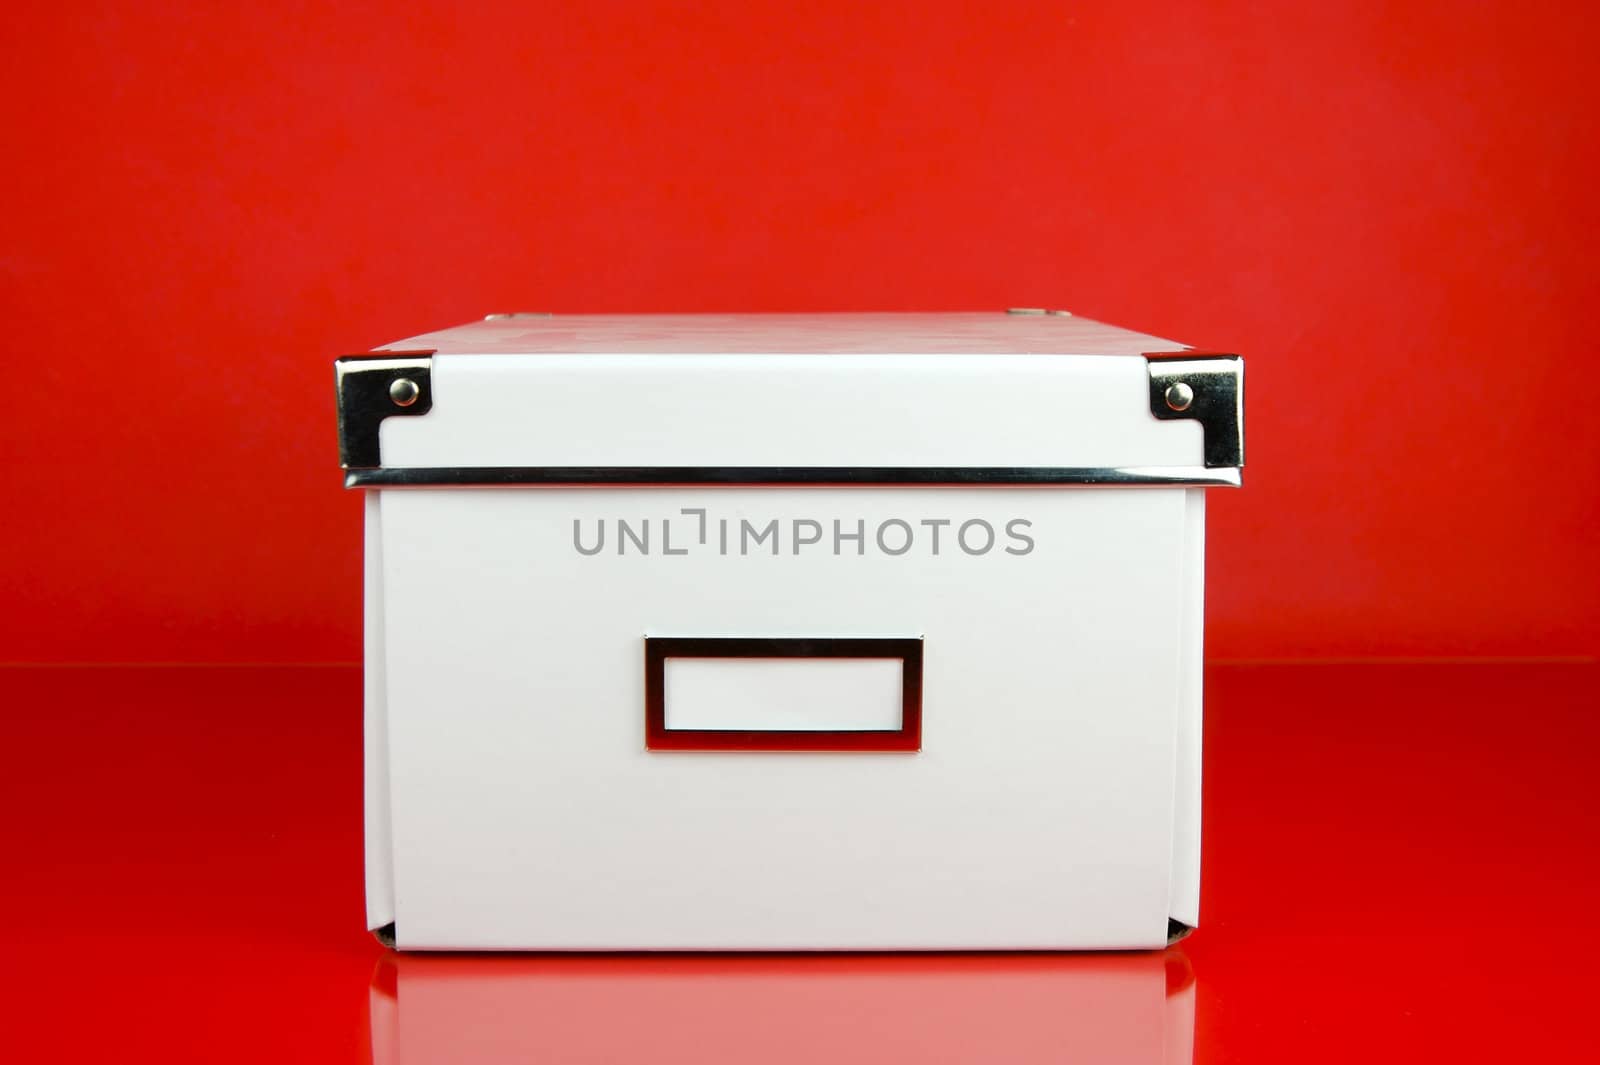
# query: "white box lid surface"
931, 398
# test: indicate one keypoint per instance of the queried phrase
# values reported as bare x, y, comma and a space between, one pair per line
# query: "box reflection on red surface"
1134, 1009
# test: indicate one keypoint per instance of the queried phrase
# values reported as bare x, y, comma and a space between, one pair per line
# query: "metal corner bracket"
1208, 389
375, 386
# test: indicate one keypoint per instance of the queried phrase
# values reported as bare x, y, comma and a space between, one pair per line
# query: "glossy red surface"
1400, 865
1388, 208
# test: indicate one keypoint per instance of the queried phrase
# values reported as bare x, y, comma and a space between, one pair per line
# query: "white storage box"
835, 631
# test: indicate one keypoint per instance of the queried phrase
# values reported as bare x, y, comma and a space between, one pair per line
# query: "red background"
1389, 209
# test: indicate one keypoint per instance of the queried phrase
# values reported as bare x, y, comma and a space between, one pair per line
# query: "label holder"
907, 738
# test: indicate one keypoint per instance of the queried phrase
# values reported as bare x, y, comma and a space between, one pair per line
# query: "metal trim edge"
488, 476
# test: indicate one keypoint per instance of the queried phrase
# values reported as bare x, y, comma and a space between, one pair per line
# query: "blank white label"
784, 694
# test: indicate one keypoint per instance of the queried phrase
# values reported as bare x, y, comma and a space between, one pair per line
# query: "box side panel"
1038, 813
375, 729
714, 411
1185, 904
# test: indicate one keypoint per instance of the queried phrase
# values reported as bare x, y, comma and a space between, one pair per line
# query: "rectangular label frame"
907, 738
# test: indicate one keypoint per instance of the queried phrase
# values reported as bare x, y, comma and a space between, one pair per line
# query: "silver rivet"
404, 391
1179, 396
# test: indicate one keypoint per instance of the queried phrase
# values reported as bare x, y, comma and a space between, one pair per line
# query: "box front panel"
527, 810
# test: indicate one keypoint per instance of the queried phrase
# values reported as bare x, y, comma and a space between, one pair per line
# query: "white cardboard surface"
940, 333
375, 728
778, 694
527, 813
790, 410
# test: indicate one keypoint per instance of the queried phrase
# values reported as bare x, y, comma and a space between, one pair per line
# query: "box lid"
1017, 397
